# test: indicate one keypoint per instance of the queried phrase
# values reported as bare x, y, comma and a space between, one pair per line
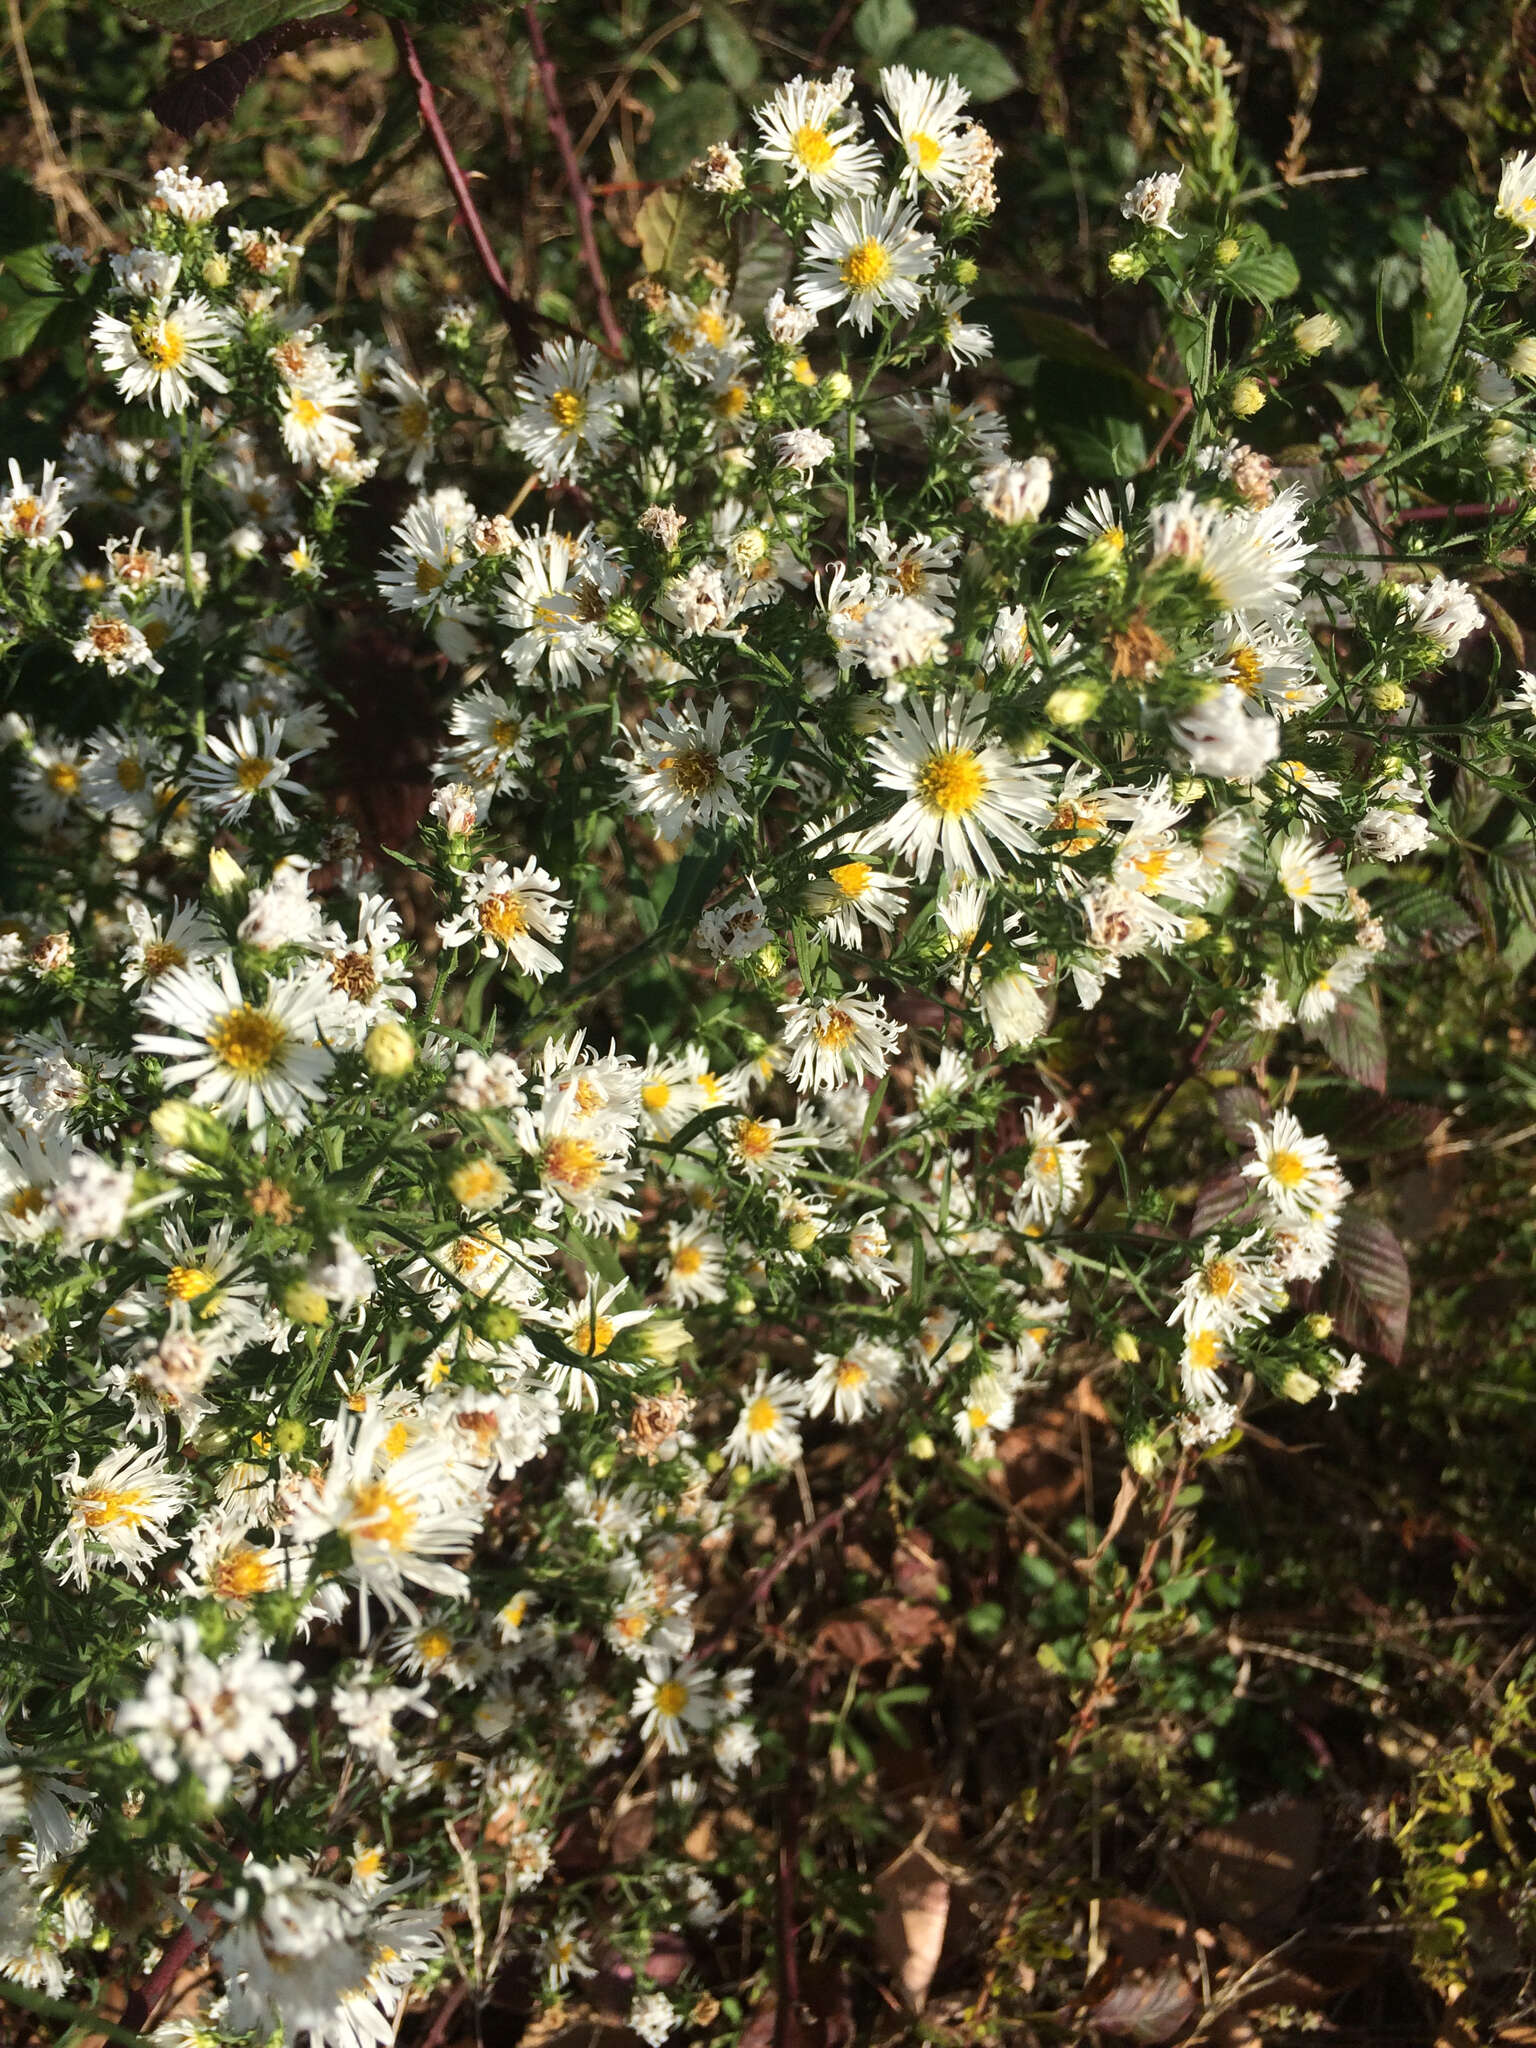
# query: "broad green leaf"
1094, 418
882, 26
733, 50
1020, 332
27, 301
227, 21
980, 66
687, 123
1265, 272
1438, 315
25, 216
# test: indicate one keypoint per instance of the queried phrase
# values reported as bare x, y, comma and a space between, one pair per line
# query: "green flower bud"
305, 1304
389, 1050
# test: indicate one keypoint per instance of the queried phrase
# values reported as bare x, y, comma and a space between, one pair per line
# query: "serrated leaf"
1475, 795
1438, 313
1371, 1128
1237, 1108
1512, 870
23, 314
1371, 1285
227, 21
979, 66
1353, 1039
764, 268
732, 49
1266, 274
214, 90
882, 26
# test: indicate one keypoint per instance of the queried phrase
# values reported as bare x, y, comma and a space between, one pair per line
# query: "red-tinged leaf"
213, 91
1225, 1194
1371, 1128
1238, 1108
1353, 1039
1147, 2006
1371, 1289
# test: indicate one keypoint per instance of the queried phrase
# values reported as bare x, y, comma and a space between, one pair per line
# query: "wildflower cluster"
414, 1260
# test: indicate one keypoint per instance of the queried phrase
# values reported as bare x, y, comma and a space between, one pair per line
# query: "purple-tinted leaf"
1147, 2007
1372, 1127
212, 92
1352, 1037
1238, 1108
1224, 1195
1370, 1289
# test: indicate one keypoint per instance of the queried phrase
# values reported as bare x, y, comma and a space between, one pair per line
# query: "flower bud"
1127, 265
1125, 1347
288, 1437
966, 272
837, 386
601, 1466
389, 1050
922, 1447
303, 1303
1073, 704
1141, 1454
1522, 358
1320, 1327
499, 1324
1317, 332
1227, 251
225, 874
1248, 396
1196, 929
1298, 1386
1387, 696
216, 272
187, 1128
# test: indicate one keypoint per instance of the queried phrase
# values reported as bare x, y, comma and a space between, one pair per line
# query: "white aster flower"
119, 1514
808, 127
566, 413
252, 1060
682, 772
1152, 200
924, 115
1295, 1174
1516, 201
837, 1040
1310, 875
511, 912
243, 762
867, 258
767, 1430
156, 355
964, 795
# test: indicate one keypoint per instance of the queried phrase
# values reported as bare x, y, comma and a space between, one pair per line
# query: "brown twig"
1498, 510
1139, 1136
517, 314
760, 1587
576, 184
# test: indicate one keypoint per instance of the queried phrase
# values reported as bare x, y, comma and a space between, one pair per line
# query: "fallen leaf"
1147, 2006
1255, 1870
909, 1927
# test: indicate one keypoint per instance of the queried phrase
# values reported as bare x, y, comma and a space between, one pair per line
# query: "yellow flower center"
574, 1163
567, 409
850, 1374
1246, 671
712, 329
754, 1140
671, 1698
130, 773
502, 916
694, 772
432, 1646
189, 1283
504, 732
951, 782
811, 147
852, 878
428, 578
24, 1203
160, 956
592, 1336
253, 772
687, 1259
761, 1416
865, 268
305, 411
1203, 1352
247, 1041
112, 1507
1289, 1168
242, 1574
656, 1094
477, 1180
383, 1517
1220, 1278
163, 347
925, 151
63, 778
835, 1030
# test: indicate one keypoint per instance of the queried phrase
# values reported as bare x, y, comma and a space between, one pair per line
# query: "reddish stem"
1497, 510
517, 315
581, 197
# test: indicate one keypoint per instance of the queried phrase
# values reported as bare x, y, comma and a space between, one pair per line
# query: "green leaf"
24, 311
882, 26
1265, 272
979, 66
1438, 316
688, 123
986, 1621
25, 216
227, 21
733, 50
